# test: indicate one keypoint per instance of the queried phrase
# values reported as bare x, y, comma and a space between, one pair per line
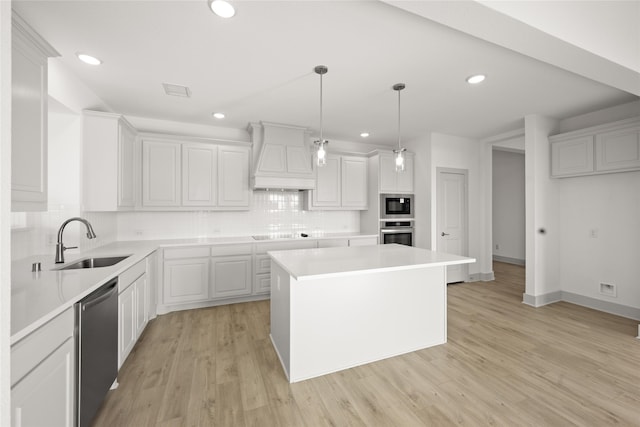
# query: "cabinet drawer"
188, 252
263, 248
224, 250
27, 353
364, 241
130, 275
263, 263
332, 243
262, 284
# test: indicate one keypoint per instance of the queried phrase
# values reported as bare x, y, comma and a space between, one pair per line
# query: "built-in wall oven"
396, 206
396, 232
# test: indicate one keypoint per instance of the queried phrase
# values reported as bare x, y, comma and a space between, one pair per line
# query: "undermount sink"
95, 262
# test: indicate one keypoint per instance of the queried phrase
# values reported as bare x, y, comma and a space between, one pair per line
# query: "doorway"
452, 218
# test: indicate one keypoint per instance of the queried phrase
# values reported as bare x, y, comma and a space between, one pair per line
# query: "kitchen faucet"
60, 248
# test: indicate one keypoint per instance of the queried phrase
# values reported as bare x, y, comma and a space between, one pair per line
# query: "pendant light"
399, 152
321, 153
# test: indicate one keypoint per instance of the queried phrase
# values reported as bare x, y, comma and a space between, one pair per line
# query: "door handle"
444, 234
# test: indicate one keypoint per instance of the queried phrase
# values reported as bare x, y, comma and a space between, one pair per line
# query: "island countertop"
305, 264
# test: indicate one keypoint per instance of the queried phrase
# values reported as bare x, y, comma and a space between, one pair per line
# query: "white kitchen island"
336, 308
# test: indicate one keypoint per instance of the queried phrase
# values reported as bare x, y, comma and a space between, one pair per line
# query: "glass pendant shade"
399, 159
399, 152
321, 153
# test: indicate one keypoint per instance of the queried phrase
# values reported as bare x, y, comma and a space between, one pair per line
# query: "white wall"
542, 223
422, 189
609, 205
462, 153
5, 207
271, 212
508, 205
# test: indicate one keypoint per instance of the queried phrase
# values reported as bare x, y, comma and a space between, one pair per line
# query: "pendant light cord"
321, 138
399, 146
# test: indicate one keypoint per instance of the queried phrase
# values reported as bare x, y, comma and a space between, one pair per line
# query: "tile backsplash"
271, 212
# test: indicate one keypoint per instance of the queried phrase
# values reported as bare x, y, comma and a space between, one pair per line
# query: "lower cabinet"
45, 397
133, 308
186, 280
231, 276
43, 375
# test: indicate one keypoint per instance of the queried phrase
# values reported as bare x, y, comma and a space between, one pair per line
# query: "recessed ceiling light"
88, 59
364, 134
222, 8
478, 78
218, 115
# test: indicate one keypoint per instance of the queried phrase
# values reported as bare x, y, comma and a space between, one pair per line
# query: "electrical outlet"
608, 289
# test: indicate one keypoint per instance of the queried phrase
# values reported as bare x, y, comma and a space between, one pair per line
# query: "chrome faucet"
60, 248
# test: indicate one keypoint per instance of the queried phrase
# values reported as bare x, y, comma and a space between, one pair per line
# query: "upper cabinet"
341, 184
391, 181
613, 147
109, 162
29, 117
180, 175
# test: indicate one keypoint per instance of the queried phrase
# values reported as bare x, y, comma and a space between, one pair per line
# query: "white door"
199, 175
233, 176
452, 219
160, 173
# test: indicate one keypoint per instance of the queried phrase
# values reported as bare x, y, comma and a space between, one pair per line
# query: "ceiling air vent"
176, 90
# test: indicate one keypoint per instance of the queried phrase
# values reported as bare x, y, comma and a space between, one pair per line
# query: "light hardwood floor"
505, 363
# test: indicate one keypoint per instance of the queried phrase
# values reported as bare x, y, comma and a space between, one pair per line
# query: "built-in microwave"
396, 206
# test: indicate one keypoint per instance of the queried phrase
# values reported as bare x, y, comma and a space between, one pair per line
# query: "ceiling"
259, 66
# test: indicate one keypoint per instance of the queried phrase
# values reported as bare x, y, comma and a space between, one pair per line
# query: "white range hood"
281, 157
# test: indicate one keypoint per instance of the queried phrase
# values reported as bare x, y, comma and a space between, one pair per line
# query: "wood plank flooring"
505, 363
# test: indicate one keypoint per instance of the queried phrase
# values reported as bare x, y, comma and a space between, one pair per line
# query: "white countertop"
38, 298
305, 264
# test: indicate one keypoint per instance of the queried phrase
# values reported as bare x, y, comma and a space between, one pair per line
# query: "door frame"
465, 212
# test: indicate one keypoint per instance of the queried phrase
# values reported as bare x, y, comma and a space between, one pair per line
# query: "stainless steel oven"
396, 206
396, 232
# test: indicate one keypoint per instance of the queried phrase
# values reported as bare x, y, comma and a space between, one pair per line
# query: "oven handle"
396, 230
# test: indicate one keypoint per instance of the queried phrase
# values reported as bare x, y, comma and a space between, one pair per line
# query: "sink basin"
95, 262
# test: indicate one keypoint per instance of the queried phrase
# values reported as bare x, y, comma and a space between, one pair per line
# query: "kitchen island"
336, 308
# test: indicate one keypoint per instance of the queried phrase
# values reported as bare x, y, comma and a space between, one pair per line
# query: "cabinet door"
29, 126
354, 182
404, 180
263, 284
572, 156
127, 330
186, 280
199, 175
233, 176
618, 150
46, 396
231, 276
387, 172
142, 304
327, 192
126, 166
160, 173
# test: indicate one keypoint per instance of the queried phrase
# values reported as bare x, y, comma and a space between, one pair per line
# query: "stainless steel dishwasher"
96, 349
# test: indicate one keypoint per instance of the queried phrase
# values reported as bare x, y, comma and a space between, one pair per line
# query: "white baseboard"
596, 304
481, 277
508, 260
168, 308
540, 300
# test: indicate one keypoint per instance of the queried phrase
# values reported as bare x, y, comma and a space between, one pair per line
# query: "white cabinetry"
328, 188
340, 184
353, 179
29, 117
233, 176
613, 147
572, 157
160, 173
133, 308
186, 275
262, 278
43, 375
199, 175
347, 241
391, 181
183, 175
109, 162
